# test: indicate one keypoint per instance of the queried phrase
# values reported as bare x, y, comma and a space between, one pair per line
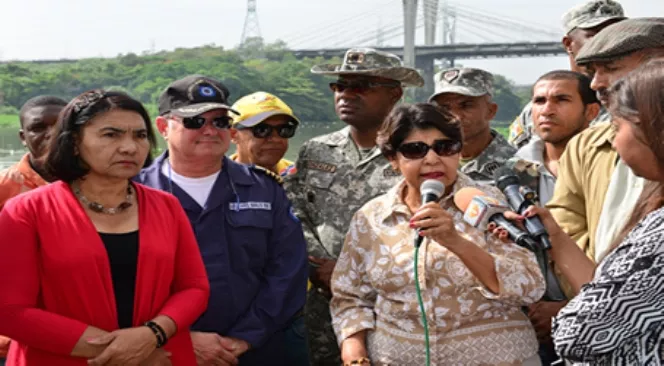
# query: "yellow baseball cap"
259, 106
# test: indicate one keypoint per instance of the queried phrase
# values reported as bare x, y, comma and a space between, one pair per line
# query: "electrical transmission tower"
251, 28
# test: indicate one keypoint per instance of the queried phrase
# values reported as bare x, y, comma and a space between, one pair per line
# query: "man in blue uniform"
251, 243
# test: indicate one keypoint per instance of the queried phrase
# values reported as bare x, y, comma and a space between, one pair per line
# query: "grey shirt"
534, 152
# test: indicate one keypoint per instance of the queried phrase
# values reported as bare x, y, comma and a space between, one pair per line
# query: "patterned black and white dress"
618, 318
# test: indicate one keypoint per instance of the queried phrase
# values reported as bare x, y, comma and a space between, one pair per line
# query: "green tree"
241, 70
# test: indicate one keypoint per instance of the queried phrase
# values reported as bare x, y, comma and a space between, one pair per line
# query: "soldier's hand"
541, 314
322, 276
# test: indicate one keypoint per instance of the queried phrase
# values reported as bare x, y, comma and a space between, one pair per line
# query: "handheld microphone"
431, 190
509, 184
528, 194
479, 210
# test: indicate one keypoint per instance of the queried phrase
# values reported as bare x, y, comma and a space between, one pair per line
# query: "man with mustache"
595, 190
252, 245
468, 94
261, 132
580, 23
562, 105
339, 172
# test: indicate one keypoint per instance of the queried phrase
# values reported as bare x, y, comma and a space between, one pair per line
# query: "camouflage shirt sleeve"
521, 130
295, 186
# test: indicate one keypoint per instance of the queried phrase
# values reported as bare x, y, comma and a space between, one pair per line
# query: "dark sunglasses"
418, 150
358, 87
263, 130
196, 123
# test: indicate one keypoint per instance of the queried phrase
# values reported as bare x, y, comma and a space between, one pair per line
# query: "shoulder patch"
491, 167
276, 177
289, 170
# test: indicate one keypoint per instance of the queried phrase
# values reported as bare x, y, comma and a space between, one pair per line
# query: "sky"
47, 29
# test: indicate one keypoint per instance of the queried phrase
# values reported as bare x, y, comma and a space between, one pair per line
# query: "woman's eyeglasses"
196, 123
418, 150
358, 87
263, 130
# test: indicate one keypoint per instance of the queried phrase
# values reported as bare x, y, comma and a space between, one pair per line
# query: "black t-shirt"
122, 252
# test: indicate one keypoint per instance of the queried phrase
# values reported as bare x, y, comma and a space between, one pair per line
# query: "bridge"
426, 56
457, 51
464, 33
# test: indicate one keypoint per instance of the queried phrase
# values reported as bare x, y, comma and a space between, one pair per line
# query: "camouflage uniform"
528, 164
334, 179
494, 156
332, 182
475, 83
584, 16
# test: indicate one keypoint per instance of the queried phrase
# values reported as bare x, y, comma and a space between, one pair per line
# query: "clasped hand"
437, 224
214, 350
132, 346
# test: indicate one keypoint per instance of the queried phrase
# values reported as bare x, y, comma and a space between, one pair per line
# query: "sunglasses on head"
418, 150
196, 123
359, 87
263, 130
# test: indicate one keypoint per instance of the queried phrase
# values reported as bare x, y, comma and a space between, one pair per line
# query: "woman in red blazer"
96, 270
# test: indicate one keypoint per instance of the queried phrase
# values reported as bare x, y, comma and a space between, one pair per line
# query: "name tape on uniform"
318, 165
237, 206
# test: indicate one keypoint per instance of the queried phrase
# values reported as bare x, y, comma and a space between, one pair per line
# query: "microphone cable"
421, 303
431, 190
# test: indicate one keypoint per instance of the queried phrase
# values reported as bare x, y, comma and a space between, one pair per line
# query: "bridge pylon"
409, 23
430, 12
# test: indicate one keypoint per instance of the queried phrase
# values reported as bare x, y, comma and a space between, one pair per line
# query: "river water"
11, 149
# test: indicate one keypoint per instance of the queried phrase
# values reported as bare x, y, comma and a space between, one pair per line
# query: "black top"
122, 252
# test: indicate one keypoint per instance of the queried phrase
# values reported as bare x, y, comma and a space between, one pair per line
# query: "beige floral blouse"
373, 289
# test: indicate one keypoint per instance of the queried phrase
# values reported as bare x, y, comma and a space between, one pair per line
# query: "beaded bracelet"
359, 361
159, 332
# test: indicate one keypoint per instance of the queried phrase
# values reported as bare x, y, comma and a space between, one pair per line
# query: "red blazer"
55, 278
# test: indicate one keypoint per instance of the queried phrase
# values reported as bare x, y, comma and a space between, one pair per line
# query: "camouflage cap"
592, 14
464, 81
371, 62
621, 39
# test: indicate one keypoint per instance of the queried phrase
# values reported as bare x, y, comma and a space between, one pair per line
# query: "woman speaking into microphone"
471, 285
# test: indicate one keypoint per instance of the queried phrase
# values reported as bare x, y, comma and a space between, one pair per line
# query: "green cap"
592, 14
371, 62
464, 81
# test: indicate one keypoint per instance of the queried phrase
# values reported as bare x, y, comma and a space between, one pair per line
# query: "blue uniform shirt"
253, 248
